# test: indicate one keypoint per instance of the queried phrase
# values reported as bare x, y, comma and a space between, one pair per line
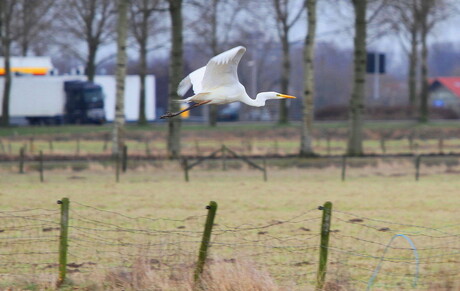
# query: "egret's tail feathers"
186, 100
184, 86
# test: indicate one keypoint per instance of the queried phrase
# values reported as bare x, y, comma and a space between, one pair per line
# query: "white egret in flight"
217, 83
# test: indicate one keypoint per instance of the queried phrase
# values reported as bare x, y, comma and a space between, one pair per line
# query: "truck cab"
84, 103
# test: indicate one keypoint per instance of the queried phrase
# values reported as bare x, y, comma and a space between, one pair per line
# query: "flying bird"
217, 83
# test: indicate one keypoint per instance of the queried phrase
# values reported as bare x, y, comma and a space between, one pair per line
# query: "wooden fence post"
31, 145
344, 167
106, 142
212, 208
324, 245
117, 167
441, 144
63, 240
124, 162
21, 160
417, 167
147, 148
224, 158
40, 166
382, 145
50, 145
265, 169
185, 166
78, 147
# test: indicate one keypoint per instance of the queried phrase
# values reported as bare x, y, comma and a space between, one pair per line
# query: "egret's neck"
258, 102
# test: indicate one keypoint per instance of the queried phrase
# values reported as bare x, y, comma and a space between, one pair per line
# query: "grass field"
274, 225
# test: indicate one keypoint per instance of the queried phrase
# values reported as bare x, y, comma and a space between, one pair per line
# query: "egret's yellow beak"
286, 96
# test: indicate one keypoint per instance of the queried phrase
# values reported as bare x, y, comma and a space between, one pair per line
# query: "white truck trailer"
71, 99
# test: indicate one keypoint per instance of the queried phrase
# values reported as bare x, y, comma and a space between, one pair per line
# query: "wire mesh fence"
363, 252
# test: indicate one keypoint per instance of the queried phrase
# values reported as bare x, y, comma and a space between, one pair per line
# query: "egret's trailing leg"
169, 114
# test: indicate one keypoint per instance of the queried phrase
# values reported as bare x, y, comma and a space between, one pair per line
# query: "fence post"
224, 158
382, 145
441, 144
21, 160
40, 167
417, 167
212, 208
124, 162
50, 145
117, 167
63, 240
324, 245
147, 148
197, 148
106, 143
31, 145
185, 166
328, 140
344, 167
265, 169
78, 146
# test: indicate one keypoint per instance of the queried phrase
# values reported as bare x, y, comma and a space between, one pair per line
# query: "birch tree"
306, 135
122, 31
355, 138
175, 76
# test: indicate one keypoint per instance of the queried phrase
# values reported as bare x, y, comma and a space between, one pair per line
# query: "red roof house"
445, 92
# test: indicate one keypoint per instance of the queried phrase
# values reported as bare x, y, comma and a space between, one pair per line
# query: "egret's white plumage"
217, 83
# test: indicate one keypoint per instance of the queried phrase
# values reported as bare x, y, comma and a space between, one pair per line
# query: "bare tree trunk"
175, 76
424, 78
355, 138
283, 13
285, 71
119, 122
90, 69
306, 148
142, 75
413, 60
6, 9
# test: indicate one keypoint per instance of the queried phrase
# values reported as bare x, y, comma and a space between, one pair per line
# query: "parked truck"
72, 100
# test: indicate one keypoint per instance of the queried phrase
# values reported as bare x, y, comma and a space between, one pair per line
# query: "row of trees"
82, 32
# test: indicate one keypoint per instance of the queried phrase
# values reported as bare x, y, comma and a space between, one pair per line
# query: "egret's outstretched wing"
195, 78
221, 70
